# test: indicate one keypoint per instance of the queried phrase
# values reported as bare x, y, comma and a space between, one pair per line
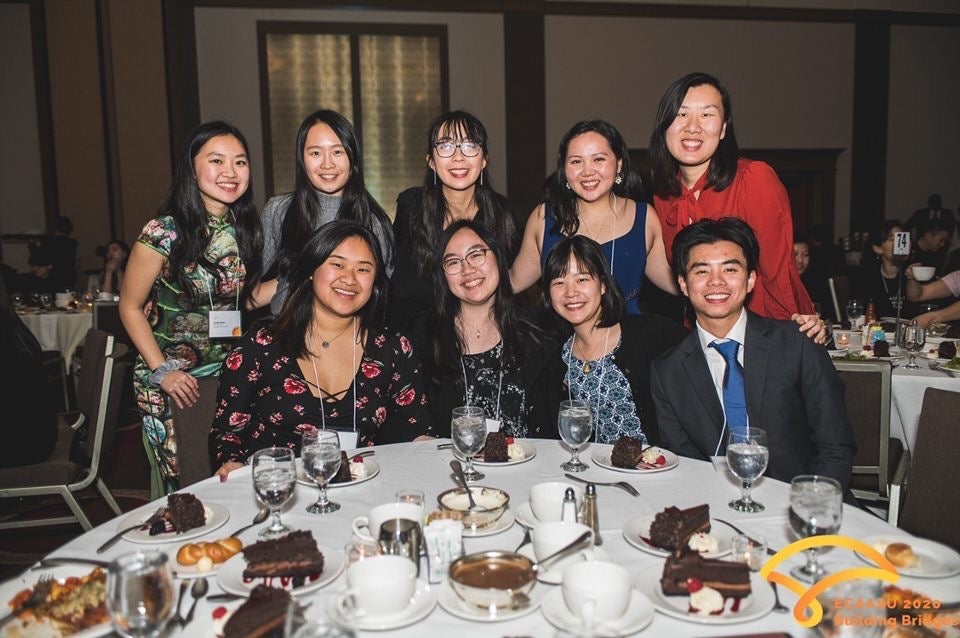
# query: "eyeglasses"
454, 265
447, 149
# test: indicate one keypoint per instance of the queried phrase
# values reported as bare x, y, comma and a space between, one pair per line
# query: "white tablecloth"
421, 465
907, 388
62, 331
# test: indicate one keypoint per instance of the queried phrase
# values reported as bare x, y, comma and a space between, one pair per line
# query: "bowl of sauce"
493, 580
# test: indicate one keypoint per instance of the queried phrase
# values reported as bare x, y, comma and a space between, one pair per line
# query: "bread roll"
901, 555
218, 551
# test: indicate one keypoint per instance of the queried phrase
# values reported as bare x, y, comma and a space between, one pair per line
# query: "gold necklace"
588, 360
590, 233
465, 324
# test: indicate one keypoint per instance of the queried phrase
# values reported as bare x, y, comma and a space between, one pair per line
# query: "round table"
421, 465
59, 329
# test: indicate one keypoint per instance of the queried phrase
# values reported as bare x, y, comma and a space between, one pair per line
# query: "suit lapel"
695, 365
756, 355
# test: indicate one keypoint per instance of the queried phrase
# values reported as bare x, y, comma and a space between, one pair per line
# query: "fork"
156, 516
623, 485
39, 595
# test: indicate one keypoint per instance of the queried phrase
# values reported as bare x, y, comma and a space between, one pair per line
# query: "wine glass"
35, 299
913, 340
468, 428
274, 479
576, 426
46, 301
17, 300
320, 455
747, 457
816, 508
854, 313
140, 593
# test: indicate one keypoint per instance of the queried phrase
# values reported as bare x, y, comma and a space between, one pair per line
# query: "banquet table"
906, 398
59, 330
421, 465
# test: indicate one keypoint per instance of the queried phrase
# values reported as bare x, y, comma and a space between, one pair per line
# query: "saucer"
525, 516
502, 524
638, 615
423, 601
453, 604
555, 577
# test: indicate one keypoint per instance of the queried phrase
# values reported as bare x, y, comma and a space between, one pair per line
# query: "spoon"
183, 591
583, 539
259, 518
458, 471
198, 591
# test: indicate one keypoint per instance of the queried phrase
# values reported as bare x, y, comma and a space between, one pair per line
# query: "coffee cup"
546, 499
368, 527
596, 591
63, 300
552, 537
923, 273
378, 586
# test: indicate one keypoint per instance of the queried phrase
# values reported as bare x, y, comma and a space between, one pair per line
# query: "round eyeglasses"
454, 265
447, 149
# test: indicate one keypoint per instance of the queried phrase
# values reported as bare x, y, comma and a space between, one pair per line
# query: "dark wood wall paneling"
111, 148
41, 83
183, 88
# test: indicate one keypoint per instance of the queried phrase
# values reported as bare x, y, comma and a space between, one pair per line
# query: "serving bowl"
491, 504
493, 580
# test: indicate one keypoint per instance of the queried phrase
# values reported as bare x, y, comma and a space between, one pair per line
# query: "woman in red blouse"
324, 361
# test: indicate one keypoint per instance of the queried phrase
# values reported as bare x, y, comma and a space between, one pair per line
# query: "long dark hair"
184, 204
591, 261
290, 327
303, 215
877, 236
493, 209
723, 164
561, 201
102, 251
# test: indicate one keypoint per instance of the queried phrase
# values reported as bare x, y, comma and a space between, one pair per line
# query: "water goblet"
35, 299
913, 339
747, 457
816, 508
274, 480
320, 455
140, 593
17, 300
468, 428
46, 301
854, 313
576, 426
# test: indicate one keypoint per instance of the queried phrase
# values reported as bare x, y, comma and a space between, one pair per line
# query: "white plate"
372, 467
453, 604
936, 560
757, 605
529, 451
601, 456
503, 523
190, 571
423, 601
638, 615
219, 515
34, 629
525, 516
554, 576
636, 529
231, 579
950, 371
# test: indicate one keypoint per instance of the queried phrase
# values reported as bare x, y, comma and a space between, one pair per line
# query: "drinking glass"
576, 426
274, 480
816, 508
17, 300
46, 301
35, 299
747, 457
320, 455
854, 313
468, 428
312, 621
140, 593
913, 340
411, 496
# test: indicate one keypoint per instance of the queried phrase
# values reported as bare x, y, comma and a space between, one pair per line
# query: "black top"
411, 296
869, 285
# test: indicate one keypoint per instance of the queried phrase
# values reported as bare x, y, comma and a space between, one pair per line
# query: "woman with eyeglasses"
456, 186
479, 349
328, 185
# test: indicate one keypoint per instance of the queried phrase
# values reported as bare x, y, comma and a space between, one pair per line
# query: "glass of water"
320, 456
274, 480
747, 457
140, 593
576, 426
854, 313
468, 428
816, 508
913, 340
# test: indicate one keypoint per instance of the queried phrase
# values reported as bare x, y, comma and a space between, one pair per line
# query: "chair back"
839, 294
106, 316
191, 426
97, 344
930, 503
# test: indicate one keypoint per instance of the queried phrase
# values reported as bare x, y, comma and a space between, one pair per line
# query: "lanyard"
602, 366
316, 377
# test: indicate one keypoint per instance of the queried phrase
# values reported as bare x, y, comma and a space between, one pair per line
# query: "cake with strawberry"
628, 452
686, 572
501, 448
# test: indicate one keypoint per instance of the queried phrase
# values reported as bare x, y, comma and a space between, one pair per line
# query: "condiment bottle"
589, 514
569, 511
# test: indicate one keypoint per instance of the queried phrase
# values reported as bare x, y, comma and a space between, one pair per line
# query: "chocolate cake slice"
626, 452
185, 512
495, 449
343, 474
294, 556
260, 616
731, 579
947, 350
673, 527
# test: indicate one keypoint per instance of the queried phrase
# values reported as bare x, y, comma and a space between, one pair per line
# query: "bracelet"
162, 370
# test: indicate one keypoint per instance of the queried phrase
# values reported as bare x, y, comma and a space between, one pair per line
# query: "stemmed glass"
576, 426
747, 457
913, 340
35, 299
46, 301
854, 312
140, 593
468, 429
816, 508
320, 455
17, 300
274, 480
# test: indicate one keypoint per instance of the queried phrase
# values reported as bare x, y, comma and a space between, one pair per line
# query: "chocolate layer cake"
261, 615
626, 452
293, 556
731, 579
881, 349
495, 449
343, 474
947, 350
673, 527
185, 512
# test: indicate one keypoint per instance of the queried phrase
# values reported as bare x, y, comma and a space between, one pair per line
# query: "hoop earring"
618, 179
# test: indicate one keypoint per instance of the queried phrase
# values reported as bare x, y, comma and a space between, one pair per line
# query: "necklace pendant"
587, 368
324, 344
478, 334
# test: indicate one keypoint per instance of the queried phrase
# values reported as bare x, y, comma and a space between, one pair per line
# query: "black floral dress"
265, 401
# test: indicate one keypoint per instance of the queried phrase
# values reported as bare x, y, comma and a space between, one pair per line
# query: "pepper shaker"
589, 514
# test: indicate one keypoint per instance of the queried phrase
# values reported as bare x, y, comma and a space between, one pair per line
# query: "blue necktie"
734, 396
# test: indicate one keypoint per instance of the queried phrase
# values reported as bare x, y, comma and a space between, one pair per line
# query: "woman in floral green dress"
198, 256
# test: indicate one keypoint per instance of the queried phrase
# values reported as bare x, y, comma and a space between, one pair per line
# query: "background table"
906, 397
421, 465
59, 330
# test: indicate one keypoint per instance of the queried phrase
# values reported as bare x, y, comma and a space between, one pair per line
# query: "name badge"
719, 463
348, 439
493, 425
225, 323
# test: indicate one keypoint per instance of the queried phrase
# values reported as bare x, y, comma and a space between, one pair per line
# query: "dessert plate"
231, 577
953, 372
555, 576
453, 604
638, 615
502, 524
936, 560
525, 516
216, 517
636, 529
601, 456
423, 601
757, 605
529, 451
42, 627
371, 466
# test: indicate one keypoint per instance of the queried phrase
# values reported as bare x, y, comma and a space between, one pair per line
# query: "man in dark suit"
788, 386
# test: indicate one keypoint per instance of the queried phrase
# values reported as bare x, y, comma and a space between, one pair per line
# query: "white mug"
378, 586
596, 591
552, 537
546, 499
368, 527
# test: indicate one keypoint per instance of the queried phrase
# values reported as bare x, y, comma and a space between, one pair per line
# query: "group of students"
443, 277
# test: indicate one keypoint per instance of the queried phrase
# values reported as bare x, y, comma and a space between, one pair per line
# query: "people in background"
198, 256
932, 244
63, 251
813, 281
938, 289
935, 213
595, 193
115, 255
879, 280
40, 279
325, 361
456, 186
328, 185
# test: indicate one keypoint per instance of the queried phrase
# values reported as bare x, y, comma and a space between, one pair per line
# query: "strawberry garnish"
219, 612
509, 440
357, 459
694, 585
661, 460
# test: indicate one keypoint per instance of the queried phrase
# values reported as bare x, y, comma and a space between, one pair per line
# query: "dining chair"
191, 426
100, 386
867, 397
839, 286
931, 486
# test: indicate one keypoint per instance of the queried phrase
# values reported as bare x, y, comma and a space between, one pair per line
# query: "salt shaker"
589, 514
569, 511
